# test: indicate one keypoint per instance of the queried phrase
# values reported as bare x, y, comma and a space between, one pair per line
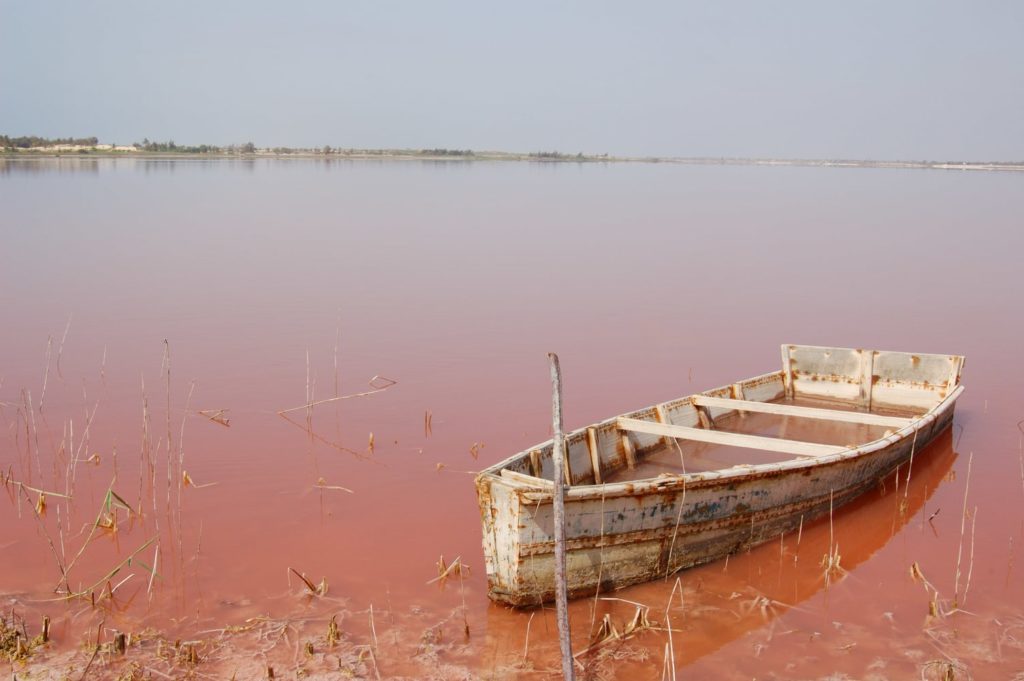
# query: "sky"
914, 80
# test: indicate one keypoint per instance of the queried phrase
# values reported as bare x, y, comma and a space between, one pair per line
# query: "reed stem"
963, 526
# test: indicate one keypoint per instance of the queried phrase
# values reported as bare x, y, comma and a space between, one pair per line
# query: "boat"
692, 480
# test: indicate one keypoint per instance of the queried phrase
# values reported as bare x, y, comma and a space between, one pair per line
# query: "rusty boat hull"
627, 523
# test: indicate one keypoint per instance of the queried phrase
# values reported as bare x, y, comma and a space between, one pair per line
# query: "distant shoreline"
470, 156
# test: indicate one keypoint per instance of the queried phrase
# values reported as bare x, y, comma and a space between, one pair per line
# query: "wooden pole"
558, 456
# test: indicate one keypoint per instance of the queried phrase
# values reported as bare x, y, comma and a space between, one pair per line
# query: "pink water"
455, 280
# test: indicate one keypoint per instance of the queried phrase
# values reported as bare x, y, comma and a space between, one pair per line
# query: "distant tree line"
557, 156
170, 147
446, 152
327, 149
32, 141
87, 146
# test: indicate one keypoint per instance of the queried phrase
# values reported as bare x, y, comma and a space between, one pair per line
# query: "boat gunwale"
670, 482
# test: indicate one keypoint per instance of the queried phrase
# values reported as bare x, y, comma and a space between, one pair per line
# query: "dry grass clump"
444, 570
442, 640
606, 644
606, 662
943, 670
831, 561
15, 643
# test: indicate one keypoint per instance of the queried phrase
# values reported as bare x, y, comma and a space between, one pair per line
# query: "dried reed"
670, 653
608, 633
337, 341
910, 468
106, 518
46, 533
95, 650
170, 444
218, 416
182, 475
314, 589
60, 348
117, 568
333, 633
970, 568
444, 571
526, 644
46, 373
27, 400
319, 438
153, 572
831, 560
322, 484
1020, 451
675, 532
963, 524
375, 383
309, 396
600, 565
373, 632
462, 595
145, 450
83, 443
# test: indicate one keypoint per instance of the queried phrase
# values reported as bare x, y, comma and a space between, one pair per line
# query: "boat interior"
823, 401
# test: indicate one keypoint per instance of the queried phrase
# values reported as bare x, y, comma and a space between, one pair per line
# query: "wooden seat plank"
803, 412
722, 437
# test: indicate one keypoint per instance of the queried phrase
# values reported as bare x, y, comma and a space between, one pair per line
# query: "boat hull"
618, 534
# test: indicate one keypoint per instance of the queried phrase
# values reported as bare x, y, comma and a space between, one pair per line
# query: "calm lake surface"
266, 284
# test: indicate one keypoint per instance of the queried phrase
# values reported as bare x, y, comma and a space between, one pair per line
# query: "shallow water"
277, 283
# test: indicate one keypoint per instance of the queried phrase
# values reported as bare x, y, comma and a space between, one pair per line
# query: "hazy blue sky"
909, 80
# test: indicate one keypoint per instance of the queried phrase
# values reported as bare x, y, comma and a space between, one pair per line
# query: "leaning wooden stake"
557, 456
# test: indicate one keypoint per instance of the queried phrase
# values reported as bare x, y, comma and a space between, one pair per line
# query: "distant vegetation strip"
91, 146
33, 142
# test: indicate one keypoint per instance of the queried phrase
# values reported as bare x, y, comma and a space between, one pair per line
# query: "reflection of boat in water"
771, 582
697, 500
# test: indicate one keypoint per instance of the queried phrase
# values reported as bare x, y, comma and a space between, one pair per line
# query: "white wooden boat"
676, 484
